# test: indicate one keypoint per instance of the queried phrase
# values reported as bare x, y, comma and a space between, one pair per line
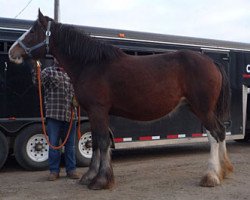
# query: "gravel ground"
171, 172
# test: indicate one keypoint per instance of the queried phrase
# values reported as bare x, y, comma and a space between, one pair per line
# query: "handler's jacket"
58, 93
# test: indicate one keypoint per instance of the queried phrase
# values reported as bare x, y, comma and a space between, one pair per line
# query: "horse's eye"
32, 31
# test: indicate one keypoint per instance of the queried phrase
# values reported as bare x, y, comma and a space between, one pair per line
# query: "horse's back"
149, 87
152, 86
199, 71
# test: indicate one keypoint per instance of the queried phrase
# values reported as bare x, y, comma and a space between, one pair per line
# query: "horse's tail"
223, 103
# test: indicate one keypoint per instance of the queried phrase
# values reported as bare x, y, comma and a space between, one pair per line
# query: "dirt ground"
157, 173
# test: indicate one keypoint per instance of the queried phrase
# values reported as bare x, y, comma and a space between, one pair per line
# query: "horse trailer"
20, 124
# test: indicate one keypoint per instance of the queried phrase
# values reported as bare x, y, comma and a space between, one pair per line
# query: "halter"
28, 50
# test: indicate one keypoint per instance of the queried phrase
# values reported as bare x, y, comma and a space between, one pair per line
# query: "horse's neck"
69, 68
61, 58
101, 53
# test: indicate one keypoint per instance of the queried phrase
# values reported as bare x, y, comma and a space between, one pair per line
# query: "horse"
108, 81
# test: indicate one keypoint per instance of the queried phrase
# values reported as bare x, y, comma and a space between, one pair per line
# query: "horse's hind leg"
226, 164
218, 165
212, 176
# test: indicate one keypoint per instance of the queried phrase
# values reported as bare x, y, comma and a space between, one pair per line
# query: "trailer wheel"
84, 146
31, 148
4, 149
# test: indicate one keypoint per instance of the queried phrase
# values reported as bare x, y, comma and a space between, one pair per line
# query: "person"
58, 100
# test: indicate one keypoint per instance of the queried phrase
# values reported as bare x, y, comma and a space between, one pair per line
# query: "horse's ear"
41, 18
40, 14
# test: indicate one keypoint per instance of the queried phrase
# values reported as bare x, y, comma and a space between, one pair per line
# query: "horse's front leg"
94, 164
99, 126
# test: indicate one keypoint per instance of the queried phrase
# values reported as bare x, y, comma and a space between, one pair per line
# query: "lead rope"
79, 123
42, 115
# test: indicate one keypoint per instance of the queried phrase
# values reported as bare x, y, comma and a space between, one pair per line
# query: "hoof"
210, 180
101, 183
85, 181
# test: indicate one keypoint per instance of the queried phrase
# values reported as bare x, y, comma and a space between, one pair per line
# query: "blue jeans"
58, 130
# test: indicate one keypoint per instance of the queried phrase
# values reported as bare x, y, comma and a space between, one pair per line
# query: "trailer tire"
84, 146
31, 148
4, 149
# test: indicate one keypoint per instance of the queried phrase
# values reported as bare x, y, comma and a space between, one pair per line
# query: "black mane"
81, 47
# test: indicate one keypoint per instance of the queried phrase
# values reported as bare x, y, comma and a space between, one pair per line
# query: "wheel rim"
37, 148
85, 145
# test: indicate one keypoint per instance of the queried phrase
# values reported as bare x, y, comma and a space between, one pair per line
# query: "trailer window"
1, 46
9, 44
143, 53
130, 52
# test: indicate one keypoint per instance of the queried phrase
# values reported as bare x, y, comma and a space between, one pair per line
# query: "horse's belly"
147, 111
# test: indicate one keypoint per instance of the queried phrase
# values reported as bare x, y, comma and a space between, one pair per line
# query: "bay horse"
108, 81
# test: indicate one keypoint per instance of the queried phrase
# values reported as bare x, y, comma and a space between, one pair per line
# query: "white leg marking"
226, 165
222, 149
213, 174
214, 161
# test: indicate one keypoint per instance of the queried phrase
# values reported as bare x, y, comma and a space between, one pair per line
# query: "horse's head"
33, 43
